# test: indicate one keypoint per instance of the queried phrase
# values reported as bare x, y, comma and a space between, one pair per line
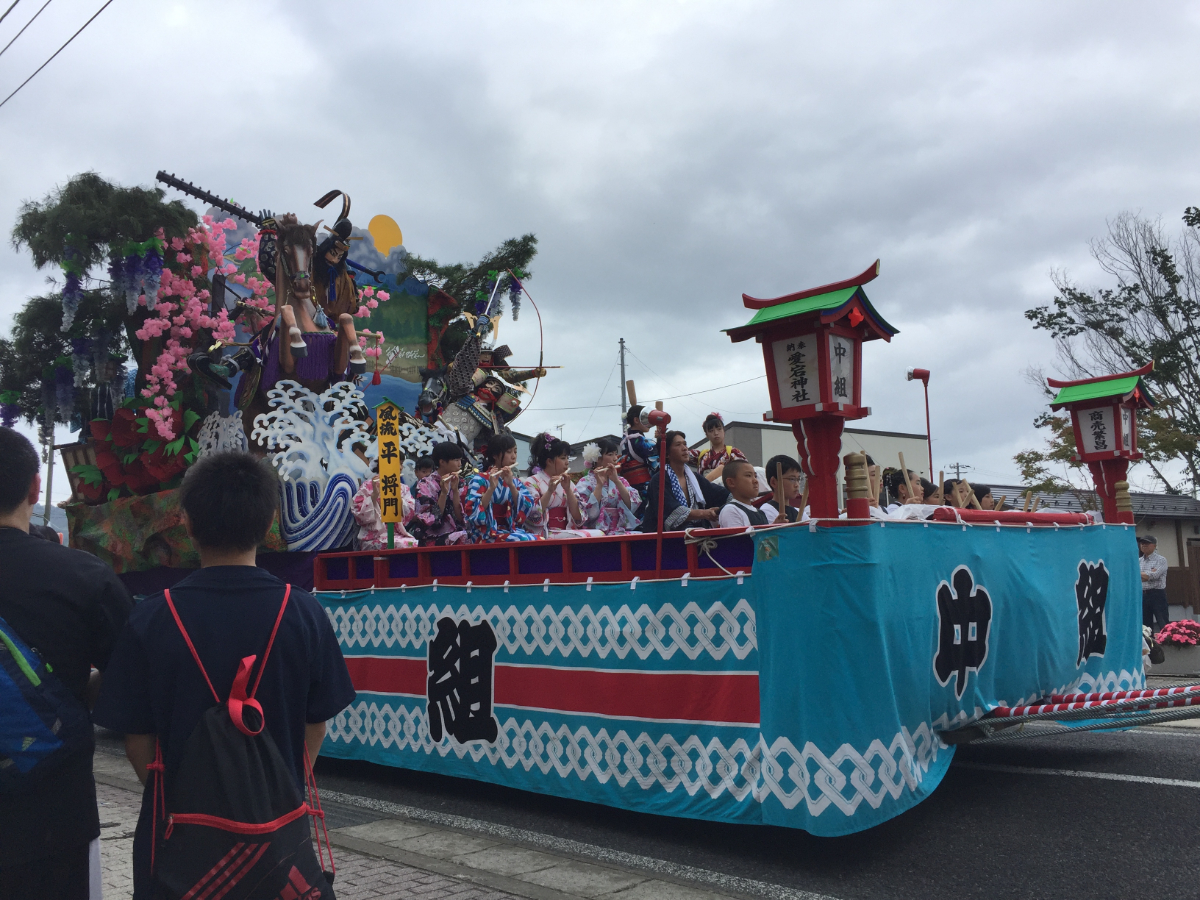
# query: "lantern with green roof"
1104, 419
812, 344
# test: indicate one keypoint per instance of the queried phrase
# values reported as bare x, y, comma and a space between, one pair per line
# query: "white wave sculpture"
314, 436
219, 433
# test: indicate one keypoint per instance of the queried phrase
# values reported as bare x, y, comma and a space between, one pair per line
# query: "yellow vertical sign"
387, 428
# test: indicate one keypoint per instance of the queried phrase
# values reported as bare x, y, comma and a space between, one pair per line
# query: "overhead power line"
56, 52
10, 9
27, 24
675, 397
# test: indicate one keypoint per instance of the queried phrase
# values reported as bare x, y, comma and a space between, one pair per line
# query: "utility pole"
959, 468
623, 403
49, 468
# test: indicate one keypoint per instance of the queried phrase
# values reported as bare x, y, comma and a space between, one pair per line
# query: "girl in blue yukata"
495, 502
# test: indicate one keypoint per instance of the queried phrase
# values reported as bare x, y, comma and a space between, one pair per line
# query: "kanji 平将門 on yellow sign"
387, 421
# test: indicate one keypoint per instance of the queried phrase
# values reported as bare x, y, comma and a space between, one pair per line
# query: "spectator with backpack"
222, 686
60, 613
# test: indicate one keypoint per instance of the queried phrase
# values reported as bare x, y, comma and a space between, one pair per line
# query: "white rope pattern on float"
684, 579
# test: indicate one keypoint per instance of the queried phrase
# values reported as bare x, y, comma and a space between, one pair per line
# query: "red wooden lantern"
1104, 419
812, 348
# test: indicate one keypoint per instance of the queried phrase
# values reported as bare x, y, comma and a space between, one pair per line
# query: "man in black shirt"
155, 694
70, 607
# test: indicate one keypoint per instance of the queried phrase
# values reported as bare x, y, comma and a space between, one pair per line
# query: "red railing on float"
603, 559
1007, 517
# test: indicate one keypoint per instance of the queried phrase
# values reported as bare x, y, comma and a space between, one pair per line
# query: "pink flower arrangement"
182, 311
1184, 633
180, 314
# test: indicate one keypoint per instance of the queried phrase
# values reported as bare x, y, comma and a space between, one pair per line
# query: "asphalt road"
996, 827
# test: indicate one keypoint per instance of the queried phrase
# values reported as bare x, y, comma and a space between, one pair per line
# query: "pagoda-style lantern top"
811, 342
1104, 413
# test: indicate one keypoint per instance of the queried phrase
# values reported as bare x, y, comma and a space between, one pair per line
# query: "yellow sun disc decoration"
386, 234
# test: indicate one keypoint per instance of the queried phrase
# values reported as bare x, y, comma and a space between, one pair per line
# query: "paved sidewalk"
359, 877
382, 855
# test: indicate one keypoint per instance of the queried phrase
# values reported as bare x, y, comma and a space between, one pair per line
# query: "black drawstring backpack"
232, 825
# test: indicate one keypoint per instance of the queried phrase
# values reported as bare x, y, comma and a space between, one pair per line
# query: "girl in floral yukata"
557, 513
605, 498
372, 530
496, 504
439, 518
712, 461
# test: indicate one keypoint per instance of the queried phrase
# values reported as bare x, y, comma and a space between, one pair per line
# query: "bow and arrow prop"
541, 342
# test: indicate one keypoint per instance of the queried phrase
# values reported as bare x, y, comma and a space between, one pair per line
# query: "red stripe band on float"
723, 697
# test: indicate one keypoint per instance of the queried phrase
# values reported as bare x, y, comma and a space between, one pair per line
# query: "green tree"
88, 215
465, 283
85, 220
1150, 312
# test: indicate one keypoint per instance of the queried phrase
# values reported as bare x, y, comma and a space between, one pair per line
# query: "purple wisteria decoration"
64, 390
80, 359
119, 280
514, 296
152, 276
133, 281
10, 408
72, 294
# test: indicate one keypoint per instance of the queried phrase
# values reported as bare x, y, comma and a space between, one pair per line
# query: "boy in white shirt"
742, 483
791, 490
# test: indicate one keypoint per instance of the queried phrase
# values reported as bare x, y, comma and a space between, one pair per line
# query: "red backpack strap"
192, 647
270, 643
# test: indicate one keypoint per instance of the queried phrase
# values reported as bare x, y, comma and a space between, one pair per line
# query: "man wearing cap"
1154, 584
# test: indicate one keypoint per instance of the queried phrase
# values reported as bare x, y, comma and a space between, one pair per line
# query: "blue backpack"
41, 722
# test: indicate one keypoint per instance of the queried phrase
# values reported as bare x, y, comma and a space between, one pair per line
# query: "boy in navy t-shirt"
153, 689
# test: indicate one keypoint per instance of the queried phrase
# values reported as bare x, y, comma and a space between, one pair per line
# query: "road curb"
450, 869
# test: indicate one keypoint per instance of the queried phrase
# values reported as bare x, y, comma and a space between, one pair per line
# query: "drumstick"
1028, 496
1000, 504
1036, 503
971, 494
631, 392
907, 481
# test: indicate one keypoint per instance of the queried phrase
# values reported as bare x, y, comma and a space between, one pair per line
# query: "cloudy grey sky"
669, 156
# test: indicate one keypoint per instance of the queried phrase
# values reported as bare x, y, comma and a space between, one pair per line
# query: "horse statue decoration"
310, 357
314, 354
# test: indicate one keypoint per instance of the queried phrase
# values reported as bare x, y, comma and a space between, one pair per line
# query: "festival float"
242, 330
816, 676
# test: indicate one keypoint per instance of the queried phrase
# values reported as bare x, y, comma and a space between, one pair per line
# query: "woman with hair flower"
557, 513
712, 461
496, 504
605, 498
